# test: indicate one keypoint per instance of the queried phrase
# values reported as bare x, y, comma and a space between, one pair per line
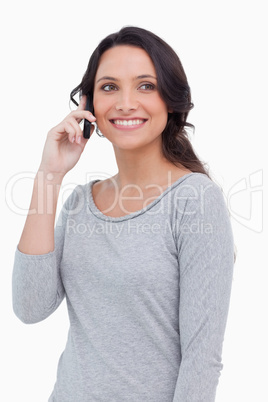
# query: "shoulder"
197, 194
196, 180
195, 185
202, 214
79, 196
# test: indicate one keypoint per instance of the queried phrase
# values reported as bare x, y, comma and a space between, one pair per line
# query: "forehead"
125, 60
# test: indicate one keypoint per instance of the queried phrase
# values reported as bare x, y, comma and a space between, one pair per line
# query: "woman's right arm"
63, 148
36, 282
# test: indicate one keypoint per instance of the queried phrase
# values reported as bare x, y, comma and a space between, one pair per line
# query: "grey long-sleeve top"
147, 295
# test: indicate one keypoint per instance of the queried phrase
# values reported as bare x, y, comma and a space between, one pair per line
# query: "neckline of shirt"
100, 215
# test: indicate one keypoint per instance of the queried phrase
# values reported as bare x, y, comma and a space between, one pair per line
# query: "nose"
126, 102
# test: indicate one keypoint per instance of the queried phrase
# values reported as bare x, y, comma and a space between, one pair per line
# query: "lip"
128, 123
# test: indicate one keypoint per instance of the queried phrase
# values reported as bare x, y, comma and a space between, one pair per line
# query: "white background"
45, 47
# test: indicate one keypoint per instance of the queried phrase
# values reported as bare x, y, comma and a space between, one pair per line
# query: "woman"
144, 258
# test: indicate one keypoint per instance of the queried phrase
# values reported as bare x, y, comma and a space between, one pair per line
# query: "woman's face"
127, 105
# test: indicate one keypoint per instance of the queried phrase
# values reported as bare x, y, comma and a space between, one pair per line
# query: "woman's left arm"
206, 258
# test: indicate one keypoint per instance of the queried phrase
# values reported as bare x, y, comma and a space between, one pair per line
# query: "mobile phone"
87, 124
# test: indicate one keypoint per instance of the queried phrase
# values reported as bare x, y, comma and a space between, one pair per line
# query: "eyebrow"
146, 76
106, 77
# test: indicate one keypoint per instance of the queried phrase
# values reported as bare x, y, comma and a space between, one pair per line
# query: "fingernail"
78, 140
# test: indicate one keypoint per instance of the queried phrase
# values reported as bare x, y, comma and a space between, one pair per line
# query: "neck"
142, 168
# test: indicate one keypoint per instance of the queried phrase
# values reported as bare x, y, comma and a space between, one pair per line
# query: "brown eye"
147, 87
109, 87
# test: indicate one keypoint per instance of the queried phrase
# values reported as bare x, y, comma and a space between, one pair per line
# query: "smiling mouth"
128, 123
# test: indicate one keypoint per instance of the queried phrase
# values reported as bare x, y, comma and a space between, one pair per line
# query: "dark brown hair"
172, 86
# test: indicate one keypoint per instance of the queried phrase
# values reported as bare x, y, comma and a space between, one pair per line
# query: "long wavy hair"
172, 85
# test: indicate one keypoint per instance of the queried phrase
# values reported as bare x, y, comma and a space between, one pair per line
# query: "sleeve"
37, 288
206, 258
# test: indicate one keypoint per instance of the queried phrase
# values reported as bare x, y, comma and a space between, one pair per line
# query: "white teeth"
128, 122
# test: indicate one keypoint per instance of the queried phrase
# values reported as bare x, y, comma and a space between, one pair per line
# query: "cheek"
161, 113
163, 123
101, 105
97, 107
157, 106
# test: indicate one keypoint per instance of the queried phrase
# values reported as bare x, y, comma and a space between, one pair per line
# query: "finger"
82, 114
70, 131
78, 131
